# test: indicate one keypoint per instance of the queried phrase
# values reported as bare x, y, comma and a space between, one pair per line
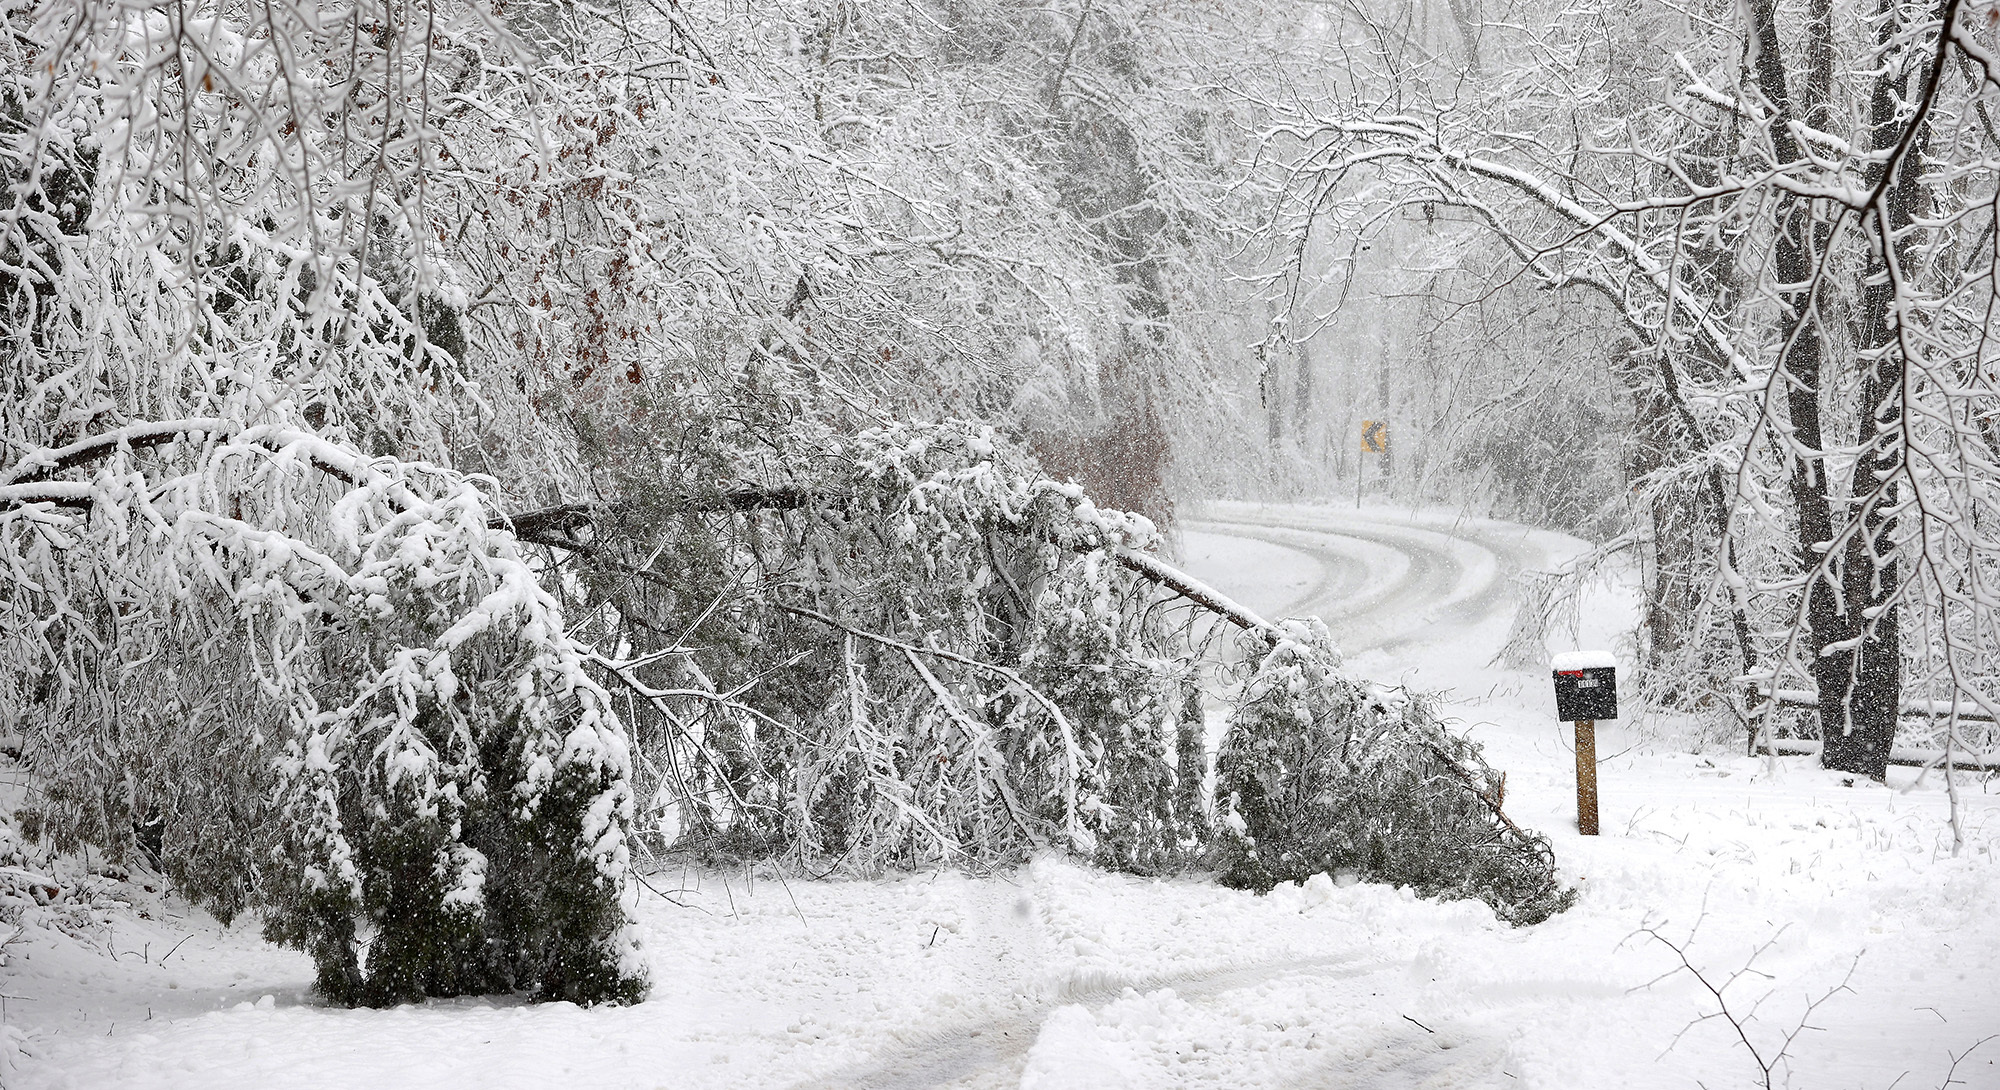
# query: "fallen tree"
347, 692
1398, 798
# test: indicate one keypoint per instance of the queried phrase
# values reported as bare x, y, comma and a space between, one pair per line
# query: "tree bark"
1861, 683
1833, 621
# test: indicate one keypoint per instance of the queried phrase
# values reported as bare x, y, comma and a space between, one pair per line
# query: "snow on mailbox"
1586, 685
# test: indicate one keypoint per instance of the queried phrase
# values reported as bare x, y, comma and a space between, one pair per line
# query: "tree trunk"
1861, 685
1465, 14
1302, 395
1831, 619
1854, 631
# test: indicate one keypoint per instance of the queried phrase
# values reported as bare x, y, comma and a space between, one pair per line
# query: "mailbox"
1586, 685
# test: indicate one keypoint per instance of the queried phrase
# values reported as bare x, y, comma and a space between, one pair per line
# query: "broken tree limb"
556, 526
1493, 794
1194, 590
28, 481
40, 465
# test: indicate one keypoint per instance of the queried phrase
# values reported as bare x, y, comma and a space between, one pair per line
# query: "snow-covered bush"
339, 696
1318, 774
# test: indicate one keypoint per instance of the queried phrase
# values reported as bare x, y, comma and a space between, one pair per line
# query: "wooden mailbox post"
1586, 691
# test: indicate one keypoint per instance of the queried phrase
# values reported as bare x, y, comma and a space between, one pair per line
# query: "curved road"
1381, 579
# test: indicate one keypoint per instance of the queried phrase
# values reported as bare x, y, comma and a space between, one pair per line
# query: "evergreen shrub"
1319, 774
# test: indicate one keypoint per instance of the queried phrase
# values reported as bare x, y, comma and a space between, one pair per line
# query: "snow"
1057, 976
1243, 569
1583, 660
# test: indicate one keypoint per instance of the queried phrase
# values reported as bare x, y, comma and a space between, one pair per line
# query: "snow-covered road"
1380, 578
1056, 976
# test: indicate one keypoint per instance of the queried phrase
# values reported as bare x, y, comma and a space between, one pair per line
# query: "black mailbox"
1586, 687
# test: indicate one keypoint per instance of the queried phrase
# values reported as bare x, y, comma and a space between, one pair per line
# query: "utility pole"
1382, 399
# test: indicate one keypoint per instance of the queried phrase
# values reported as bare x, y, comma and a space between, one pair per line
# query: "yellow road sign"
1374, 437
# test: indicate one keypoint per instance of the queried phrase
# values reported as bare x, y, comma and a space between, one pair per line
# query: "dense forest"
452, 454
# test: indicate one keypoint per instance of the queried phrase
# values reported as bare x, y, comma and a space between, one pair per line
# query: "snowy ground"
1055, 976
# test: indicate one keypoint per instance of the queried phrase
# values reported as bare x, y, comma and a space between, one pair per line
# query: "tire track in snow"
990, 1052
1072, 989
1387, 583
